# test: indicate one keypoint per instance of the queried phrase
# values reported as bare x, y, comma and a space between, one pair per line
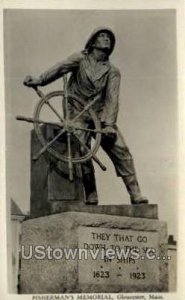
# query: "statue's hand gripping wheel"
66, 126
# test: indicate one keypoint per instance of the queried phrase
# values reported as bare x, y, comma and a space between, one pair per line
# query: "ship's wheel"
56, 105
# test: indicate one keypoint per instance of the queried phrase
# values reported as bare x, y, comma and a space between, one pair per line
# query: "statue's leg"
88, 175
123, 162
90, 185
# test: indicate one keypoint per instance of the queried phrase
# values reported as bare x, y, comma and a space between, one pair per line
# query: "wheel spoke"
32, 120
70, 164
62, 131
54, 110
39, 92
94, 157
66, 113
41, 95
86, 108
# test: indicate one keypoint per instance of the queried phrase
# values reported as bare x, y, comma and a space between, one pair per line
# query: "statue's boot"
91, 195
133, 189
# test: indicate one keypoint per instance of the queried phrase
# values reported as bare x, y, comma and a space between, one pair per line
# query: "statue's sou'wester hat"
94, 35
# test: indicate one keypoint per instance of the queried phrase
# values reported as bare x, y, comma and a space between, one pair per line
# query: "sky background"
145, 53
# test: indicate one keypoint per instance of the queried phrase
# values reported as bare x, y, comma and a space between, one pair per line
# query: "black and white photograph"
92, 144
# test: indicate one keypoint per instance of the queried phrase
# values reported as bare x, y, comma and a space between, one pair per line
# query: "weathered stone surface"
144, 272
138, 211
72, 230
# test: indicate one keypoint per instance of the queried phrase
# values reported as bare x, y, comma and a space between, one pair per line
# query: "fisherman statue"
92, 75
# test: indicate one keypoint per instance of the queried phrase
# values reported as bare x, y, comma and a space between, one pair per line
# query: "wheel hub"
69, 127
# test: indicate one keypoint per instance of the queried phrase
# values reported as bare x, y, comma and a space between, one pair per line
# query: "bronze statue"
94, 77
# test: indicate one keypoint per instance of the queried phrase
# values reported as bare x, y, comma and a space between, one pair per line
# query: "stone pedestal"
50, 183
94, 231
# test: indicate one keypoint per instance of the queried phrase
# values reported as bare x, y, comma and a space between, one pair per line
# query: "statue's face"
103, 41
